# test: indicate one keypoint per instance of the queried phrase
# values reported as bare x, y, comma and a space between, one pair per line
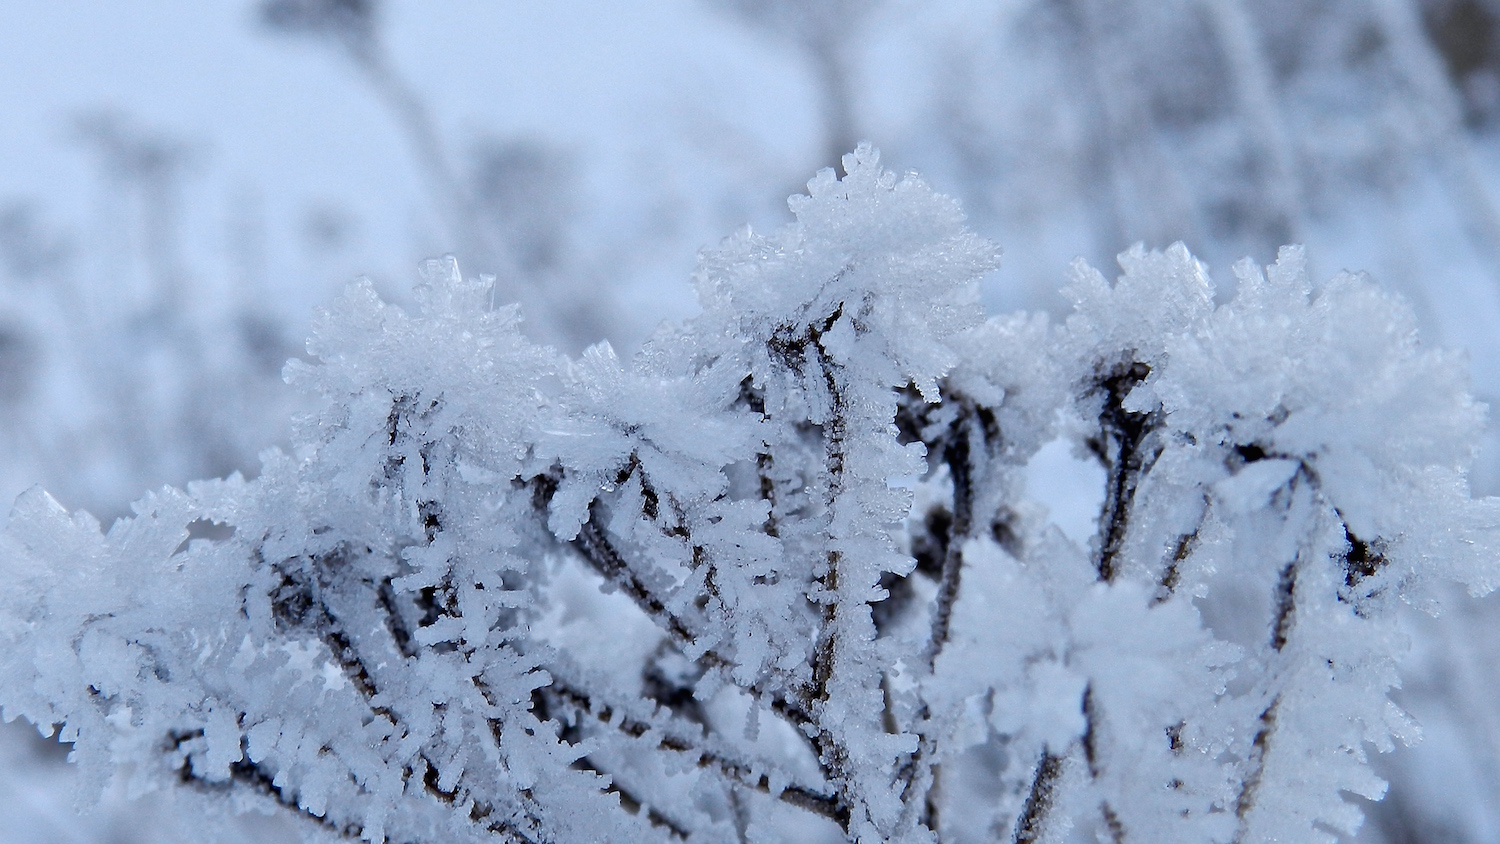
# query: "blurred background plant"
186, 182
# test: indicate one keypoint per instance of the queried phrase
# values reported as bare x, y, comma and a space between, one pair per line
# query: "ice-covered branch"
782, 572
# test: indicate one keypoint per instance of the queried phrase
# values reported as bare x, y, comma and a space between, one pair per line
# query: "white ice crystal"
394, 633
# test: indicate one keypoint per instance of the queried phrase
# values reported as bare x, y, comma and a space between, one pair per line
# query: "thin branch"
594, 546
1122, 446
1286, 606
1259, 747
681, 739
1187, 543
316, 614
1040, 800
596, 549
1093, 724
961, 469
956, 445
248, 776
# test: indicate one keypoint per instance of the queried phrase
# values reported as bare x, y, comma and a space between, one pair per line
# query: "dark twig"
1257, 763
681, 738
1039, 801
1123, 446
1286, 606
961, 470
594, 546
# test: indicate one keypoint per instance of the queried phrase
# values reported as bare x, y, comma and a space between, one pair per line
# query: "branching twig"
685, 740
961, 468
594, 546
1122, 446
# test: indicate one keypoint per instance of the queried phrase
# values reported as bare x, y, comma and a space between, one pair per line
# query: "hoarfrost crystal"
826, 597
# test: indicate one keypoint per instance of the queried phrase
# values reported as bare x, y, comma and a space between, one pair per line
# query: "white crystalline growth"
829, 609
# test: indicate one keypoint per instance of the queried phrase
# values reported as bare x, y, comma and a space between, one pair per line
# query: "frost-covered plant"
830, 608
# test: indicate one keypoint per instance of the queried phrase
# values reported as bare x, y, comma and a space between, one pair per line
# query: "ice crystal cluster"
779, 578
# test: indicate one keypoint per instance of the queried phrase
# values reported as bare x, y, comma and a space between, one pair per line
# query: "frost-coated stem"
596, 549
1123, 446
1260, 748
957, 456
594, 546
686, 739
1031, 826
832, 754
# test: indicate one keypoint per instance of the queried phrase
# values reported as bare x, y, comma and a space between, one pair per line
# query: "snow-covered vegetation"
382, 633
855, 550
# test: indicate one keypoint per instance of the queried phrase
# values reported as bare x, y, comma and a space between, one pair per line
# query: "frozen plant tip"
779, 577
